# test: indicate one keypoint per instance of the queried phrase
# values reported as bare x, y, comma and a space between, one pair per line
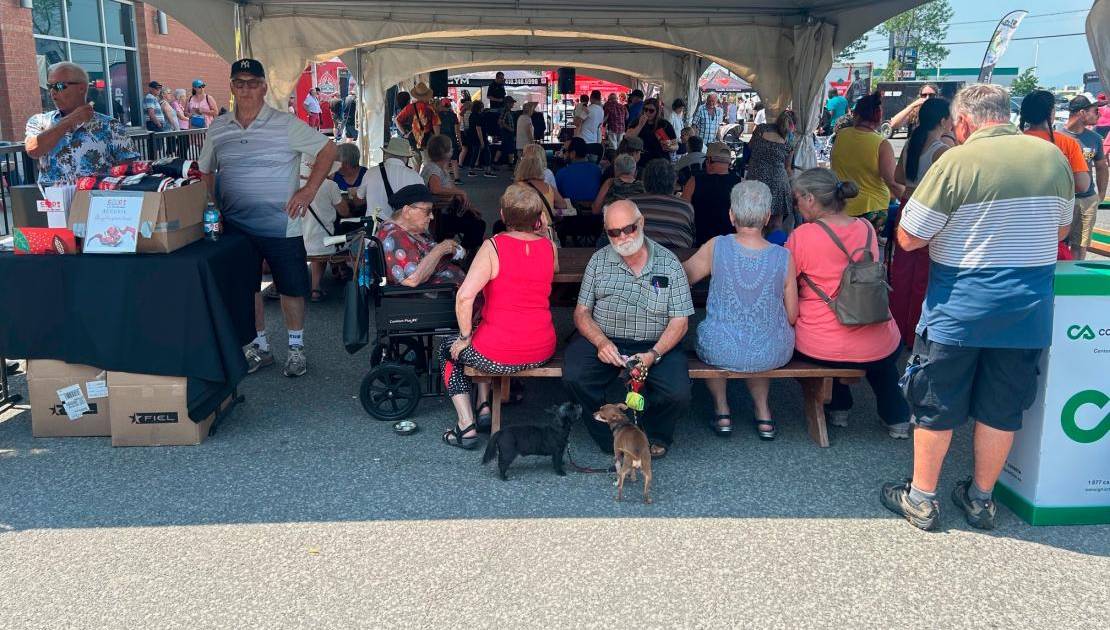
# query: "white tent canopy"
782, 47
1098, 38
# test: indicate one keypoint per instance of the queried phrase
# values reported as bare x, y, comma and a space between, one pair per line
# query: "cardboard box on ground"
173, 218
48, 415
153, 411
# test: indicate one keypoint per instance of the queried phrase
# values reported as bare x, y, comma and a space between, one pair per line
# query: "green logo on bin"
1067, 416
1075, 331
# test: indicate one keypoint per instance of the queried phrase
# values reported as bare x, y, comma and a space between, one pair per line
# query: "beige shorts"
1083, 223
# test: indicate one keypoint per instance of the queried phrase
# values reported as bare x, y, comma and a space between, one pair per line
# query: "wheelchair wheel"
401, 350
390, 392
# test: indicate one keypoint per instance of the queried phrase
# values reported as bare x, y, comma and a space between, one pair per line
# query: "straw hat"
421, 92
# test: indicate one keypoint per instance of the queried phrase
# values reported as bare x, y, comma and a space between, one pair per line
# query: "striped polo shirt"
258, 168
990, 209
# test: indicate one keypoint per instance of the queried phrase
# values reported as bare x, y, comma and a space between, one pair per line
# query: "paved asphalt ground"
302, 511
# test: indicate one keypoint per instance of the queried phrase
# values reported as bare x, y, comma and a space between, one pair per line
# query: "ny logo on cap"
245, 63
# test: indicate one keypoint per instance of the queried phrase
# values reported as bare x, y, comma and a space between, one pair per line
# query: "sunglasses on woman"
628, 230
58, 86
649, 110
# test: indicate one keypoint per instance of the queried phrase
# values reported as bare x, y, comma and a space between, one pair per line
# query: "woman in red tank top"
513, 271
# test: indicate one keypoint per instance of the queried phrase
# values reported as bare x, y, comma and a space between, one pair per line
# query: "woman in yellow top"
861, 155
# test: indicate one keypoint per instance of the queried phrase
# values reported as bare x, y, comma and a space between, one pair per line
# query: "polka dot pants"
454, 378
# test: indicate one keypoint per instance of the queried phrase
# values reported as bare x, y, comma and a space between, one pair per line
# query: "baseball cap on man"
1079, 103
252, 67
154, 85
718, 152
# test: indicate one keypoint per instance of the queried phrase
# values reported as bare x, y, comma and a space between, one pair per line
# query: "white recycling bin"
1058, 472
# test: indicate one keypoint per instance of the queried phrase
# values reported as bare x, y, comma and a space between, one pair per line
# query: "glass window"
119, 22
47, 18
122, 73
84, 20
47, 53
91, 58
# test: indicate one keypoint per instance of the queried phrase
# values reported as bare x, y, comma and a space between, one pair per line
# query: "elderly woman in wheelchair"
411, 257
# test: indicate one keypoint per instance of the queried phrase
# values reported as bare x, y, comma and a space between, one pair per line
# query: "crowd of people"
167, 109
792, 258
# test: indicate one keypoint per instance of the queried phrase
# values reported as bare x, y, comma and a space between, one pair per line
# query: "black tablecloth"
186, 313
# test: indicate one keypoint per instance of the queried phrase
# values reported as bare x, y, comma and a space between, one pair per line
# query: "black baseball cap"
252, 67
154, 85
1079, 103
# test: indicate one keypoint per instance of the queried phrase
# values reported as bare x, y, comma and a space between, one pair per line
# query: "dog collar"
621, 425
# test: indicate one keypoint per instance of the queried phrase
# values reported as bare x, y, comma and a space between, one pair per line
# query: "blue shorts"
286, 257
948, 385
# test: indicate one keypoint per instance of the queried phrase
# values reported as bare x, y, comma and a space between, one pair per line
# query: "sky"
1060, 60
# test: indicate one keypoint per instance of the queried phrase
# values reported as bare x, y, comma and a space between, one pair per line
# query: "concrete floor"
302, 511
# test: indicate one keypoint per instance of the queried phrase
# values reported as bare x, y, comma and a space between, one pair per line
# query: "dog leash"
637, 376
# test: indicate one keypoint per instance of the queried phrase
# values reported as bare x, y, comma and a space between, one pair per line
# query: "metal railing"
17, 168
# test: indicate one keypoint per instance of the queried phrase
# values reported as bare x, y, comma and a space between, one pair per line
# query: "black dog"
530, 439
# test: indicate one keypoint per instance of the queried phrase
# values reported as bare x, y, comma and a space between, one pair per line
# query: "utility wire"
984, 41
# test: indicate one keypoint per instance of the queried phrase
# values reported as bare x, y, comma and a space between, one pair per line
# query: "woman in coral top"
818, 336
513, 272
1038, 110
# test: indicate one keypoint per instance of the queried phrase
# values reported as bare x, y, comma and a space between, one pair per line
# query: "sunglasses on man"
628, 230
58, 86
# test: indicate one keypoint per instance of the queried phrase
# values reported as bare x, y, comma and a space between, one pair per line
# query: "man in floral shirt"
73, 140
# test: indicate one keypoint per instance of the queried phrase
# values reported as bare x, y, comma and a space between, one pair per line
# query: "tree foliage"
1024, 83
924, 28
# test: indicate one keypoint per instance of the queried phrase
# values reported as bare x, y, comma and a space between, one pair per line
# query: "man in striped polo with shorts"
992, 212
251, 165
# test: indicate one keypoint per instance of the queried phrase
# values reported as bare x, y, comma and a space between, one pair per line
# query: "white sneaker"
295, 362
837, 418
899, 431
257, 358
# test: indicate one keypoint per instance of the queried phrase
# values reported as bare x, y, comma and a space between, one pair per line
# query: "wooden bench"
1100, 242
816, 382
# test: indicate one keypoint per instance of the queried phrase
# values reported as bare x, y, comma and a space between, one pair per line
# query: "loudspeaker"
438, 82
566, 80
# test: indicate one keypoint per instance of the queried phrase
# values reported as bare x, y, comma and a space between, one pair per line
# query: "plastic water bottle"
211, 222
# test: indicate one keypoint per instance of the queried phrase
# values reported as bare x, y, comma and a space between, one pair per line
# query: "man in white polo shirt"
393, 174
251, 165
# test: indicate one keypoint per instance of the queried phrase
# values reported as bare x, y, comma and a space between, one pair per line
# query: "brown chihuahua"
630, 447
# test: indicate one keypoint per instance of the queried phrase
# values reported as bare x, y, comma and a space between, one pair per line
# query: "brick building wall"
174, 60
177, 58
19, 83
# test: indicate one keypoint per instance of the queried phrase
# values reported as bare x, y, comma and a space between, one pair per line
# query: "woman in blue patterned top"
752, 306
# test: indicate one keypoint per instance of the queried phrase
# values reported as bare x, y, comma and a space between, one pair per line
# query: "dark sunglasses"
251, 83
928, 94
649, 110
58, 86
629, 230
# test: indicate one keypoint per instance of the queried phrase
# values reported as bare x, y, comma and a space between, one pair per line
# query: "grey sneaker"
980, 514
837, 418
257, 358
895, 496
899, 431
295, 363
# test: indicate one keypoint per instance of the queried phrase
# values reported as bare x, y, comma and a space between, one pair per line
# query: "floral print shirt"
91, 149
404, 251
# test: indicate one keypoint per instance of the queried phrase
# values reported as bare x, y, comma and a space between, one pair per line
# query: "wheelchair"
402, 325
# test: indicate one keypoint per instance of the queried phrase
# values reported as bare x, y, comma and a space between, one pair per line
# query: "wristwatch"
656, 353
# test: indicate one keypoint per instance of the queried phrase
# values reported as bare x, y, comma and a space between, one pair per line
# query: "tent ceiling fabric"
782, 47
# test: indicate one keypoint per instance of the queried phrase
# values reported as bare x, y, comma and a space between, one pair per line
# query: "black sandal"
457, 437
765, 435
722, 431
484, 421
